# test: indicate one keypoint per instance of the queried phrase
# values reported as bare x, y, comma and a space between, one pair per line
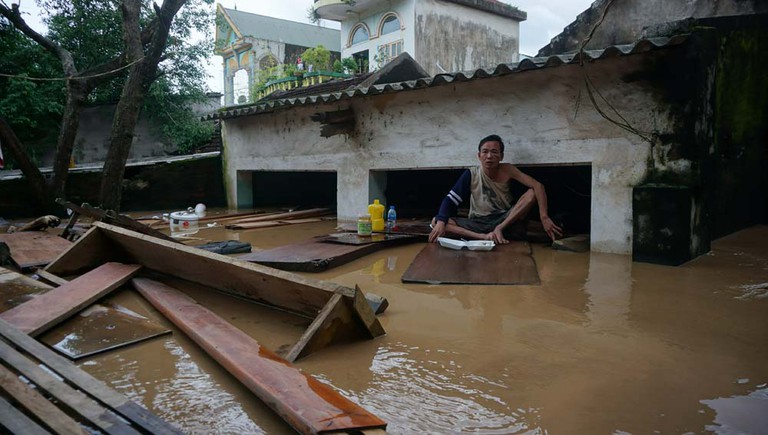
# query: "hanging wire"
592, 90
55, 79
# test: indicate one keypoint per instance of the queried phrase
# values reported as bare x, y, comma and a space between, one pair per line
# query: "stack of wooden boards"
108, 256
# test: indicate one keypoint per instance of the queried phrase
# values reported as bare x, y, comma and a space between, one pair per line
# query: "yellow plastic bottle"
376, 210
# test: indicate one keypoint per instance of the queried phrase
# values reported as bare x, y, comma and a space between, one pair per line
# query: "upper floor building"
249, 43
441, 35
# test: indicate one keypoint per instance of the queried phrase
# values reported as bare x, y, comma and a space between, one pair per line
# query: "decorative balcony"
299, 81
340, 10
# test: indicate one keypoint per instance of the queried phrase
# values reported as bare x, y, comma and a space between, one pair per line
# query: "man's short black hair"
491, 138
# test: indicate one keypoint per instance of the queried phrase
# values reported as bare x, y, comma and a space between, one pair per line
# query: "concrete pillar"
352, 192
244, 189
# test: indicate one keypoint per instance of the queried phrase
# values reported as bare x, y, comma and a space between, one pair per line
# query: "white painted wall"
535, 112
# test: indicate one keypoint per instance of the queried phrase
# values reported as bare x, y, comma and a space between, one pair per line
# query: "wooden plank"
98, 328
113, 218
44, 410
313, 212
15, 422
88, 252
34, 248
288, 291
129, 410
321, 331
45, 311
307, 405
53, 279
506, 264
316, 255
74, 399
254, 225
254, 282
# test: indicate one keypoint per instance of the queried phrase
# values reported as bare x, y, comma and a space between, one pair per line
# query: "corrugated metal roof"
535, 63
290, 32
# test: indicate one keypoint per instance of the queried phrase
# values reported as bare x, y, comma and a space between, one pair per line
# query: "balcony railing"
288, 83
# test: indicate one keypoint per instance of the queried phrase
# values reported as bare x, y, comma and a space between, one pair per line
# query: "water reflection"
740, 414
609, 287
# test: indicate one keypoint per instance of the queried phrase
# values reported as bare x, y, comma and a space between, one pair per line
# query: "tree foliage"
113, 50
319, 57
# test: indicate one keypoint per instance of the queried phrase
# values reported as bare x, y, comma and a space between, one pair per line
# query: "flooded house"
653, 146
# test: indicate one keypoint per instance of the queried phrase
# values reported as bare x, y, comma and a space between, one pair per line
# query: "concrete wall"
544, 117
451, 37
626, 19
92, 141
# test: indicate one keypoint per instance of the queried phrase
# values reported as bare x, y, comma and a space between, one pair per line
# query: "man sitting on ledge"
492, 210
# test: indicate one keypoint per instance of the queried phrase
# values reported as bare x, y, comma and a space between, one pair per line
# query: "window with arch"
390, 23
359, 34
240, 86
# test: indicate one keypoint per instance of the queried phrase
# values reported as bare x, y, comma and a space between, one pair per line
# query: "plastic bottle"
364, 225
376, 210
391, 219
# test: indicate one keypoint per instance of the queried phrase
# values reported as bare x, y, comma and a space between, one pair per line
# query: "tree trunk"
11, 143
140, 77
77, 93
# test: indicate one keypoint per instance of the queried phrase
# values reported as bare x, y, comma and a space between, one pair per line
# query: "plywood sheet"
34, 248
317, 255
504, 265
99, 328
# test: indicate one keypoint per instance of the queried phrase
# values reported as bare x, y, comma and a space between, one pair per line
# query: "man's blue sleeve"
457, 195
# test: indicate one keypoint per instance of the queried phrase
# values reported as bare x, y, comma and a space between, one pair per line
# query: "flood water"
603, 345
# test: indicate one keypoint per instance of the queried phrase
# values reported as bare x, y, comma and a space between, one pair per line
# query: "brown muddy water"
602, 346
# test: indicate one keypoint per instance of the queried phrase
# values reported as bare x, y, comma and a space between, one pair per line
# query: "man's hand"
438, 229
497, 236
550, 228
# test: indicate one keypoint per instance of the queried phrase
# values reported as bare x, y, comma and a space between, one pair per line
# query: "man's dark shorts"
486, 224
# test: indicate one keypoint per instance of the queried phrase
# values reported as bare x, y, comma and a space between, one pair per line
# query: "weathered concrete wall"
92, 141
626, 19
544, 116
450, 37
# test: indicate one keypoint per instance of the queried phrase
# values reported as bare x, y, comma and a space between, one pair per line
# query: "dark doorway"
295, 189
418, 193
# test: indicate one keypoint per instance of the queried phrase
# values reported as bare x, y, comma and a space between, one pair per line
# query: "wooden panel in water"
507, 264
88, 400
41, 313
308, 405
34, 248
317, 255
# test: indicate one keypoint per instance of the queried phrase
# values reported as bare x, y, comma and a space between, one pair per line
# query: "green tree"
319, 57
100, 63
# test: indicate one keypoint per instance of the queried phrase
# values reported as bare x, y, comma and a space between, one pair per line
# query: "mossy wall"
740, 140
716, 89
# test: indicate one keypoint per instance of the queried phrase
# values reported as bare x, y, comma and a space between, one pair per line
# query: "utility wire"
621, 122
54, 79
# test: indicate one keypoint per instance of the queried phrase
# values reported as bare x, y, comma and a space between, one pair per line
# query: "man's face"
490, 154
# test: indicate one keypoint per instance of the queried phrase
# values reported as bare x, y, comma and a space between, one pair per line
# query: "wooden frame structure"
337, 311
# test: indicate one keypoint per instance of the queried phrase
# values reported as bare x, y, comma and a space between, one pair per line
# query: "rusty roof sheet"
535, 63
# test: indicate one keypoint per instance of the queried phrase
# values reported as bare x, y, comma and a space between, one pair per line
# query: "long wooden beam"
308, 405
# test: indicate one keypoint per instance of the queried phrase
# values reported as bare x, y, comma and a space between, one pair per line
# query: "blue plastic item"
391, 219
